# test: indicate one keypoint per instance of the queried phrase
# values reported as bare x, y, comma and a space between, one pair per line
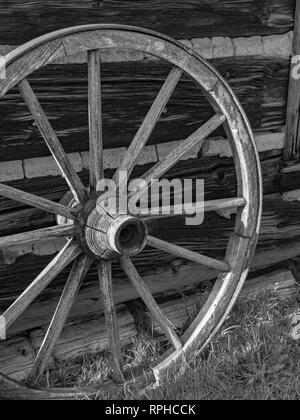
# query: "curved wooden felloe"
102, 235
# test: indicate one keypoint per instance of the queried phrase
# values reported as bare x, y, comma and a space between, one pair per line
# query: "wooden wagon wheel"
123, 236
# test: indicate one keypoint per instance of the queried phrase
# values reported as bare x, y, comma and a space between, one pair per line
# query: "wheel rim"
79, 218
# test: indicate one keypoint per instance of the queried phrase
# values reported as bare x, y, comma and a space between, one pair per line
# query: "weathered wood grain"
279, 241
61, 261
289, 177
93, 338
219, 206
35, 59
197, 138
17, 356
292, 146
128, 90
95, 119
88, 334
179, 19
218, 174
37, 235
145, 294
106, 288
187, 254
61, 158
68, 297
149, 123
36, 201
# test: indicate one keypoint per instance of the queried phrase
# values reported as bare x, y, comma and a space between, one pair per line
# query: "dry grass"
252, 358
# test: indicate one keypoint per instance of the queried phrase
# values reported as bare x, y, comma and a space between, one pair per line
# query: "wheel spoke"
150, 302
198, 137
61, 261
95, 119
52, 141
72, 287
149, 123
188, 255
37, 235
106, 287
187, 209
38, 202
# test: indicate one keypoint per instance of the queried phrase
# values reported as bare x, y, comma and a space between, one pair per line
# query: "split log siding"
279, 241
178, 19
129, 89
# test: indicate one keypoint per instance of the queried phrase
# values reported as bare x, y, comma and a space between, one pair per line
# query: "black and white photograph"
150, 203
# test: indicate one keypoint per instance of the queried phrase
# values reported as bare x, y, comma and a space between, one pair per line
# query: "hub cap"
104, 234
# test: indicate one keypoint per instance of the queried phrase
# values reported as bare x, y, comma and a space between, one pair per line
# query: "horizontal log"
215, 47
46, 166
280, 282
128, 92
218, 174
18, 353
279, 241
289, 176
178, 19
16, 357
87, 334
265, 141
38, 235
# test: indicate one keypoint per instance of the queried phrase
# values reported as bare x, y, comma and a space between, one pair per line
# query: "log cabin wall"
250, 43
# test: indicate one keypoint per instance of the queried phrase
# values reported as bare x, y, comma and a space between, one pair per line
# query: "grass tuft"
253, 357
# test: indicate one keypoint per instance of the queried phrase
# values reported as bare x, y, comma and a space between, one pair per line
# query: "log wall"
128, 91
250, 43
176, 18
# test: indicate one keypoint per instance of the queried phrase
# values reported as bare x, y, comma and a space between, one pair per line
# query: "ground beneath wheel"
253, 357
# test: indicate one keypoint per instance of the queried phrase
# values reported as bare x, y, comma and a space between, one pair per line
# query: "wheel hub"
107, 235
104, 234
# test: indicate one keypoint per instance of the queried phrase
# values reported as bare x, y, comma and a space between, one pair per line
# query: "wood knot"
97, 4
176, 266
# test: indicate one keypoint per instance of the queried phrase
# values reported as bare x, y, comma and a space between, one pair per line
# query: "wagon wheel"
97, 234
